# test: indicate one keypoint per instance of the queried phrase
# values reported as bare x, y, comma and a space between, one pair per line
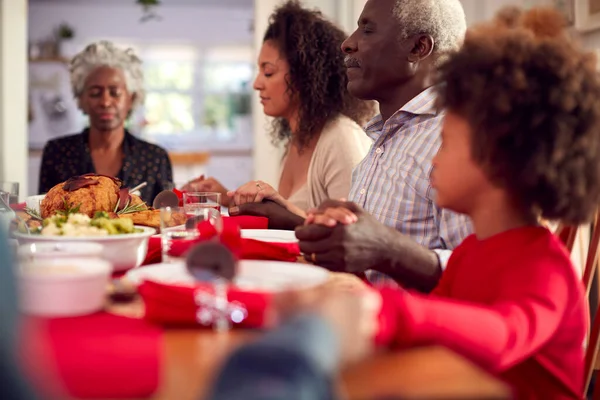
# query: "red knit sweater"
511, 303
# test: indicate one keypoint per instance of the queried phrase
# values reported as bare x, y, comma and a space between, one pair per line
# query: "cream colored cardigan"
341, 146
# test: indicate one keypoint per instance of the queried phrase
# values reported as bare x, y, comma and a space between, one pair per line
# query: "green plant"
148, 3
64, 31
148, 6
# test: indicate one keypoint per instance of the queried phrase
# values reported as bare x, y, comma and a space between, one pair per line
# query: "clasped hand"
342, 237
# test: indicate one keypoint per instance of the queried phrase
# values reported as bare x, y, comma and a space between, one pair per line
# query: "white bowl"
122, 251
35, 251
61, 287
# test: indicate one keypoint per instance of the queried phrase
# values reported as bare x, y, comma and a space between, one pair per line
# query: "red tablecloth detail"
103, 355
248, 249
177, 305
18, 206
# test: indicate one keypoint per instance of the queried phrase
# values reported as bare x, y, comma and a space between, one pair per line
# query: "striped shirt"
392, 181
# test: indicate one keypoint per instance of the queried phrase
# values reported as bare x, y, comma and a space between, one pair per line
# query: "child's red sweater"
511, 303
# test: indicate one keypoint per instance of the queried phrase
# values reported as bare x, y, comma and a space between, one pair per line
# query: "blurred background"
199, 60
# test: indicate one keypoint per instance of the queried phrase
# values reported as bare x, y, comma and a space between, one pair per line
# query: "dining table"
192, 358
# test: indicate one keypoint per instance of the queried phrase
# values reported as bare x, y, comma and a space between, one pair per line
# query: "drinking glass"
201, 200
9, 192
179, 224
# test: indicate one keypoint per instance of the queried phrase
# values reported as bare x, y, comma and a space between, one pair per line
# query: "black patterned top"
69, 156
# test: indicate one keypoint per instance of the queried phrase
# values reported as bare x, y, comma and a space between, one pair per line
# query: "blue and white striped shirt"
392, 181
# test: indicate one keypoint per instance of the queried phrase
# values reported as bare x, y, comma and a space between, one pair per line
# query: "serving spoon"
165, 198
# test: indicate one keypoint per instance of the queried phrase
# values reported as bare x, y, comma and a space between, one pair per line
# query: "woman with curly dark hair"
302, 84
520, 142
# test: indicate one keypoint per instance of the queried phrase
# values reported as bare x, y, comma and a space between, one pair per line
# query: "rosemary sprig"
35, 214
130, 209
69, 209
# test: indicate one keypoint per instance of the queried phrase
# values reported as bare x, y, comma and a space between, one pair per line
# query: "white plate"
270, 235
253, 275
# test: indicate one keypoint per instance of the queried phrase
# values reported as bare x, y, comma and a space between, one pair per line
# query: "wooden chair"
567, 235
589, 274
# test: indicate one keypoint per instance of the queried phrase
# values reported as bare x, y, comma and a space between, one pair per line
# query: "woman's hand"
210, 184
254, 192
331, 213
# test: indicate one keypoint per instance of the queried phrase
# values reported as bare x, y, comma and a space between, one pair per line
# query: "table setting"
115, 312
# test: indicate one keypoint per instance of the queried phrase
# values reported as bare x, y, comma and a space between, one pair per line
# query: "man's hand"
279, 216
342, 237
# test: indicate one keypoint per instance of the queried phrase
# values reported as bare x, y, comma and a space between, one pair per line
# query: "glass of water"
201, 200
9, 192
179, 224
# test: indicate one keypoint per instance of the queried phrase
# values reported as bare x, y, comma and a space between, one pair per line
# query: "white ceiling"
199, 3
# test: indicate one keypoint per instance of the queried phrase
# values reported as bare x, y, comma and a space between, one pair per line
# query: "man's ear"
423, 47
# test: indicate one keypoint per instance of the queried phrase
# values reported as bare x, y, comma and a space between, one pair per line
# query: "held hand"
207, 185
332, 212
354, 247
279, 216
254, 192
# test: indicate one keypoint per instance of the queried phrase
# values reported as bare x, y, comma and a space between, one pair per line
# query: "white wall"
13, 89
92, 20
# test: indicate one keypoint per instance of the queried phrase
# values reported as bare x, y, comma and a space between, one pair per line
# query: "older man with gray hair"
392, 225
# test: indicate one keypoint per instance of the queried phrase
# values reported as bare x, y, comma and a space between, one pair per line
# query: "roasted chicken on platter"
90, 193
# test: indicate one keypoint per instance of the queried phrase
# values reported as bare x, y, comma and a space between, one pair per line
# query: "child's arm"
496, 336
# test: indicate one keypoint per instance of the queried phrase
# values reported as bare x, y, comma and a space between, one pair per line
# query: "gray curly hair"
106, 54
444, 20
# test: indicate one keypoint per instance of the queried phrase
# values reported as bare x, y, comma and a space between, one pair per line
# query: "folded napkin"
248, 249
179, 194
179, 305
249, 222
102, 355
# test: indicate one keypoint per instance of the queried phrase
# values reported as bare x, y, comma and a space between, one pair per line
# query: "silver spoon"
138, 187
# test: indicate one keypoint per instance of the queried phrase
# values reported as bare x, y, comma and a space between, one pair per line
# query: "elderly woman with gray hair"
108, 85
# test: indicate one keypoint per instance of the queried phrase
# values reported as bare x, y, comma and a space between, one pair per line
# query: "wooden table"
192, 357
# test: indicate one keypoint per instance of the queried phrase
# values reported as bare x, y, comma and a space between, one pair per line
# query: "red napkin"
18, 206
248, 249
179, 194
249, 222
103, 355
179, 305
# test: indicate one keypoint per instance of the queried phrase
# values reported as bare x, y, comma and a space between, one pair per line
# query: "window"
192, 90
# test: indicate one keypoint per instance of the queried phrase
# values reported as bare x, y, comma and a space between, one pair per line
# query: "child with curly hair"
521, 141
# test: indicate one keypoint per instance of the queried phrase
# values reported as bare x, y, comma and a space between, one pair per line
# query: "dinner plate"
270, 235
253, 275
